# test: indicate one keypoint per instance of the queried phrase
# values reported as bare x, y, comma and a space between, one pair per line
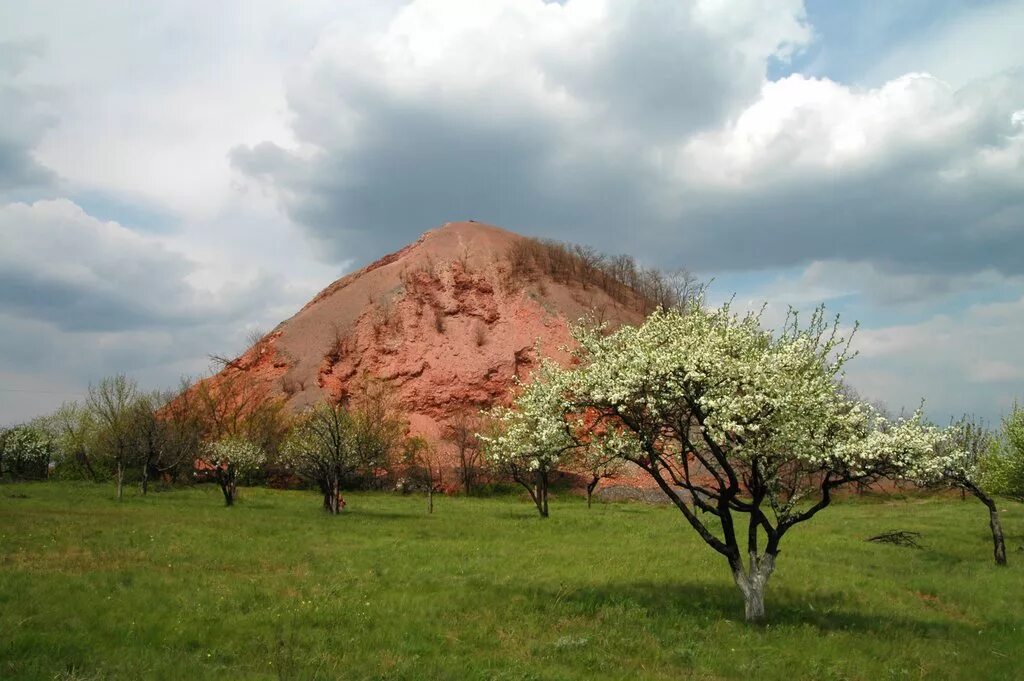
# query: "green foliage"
330, 444
74, 429
323, 445
111, 402
170, 586
1003, 470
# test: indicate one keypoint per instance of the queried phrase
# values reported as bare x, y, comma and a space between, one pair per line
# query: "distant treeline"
619, 276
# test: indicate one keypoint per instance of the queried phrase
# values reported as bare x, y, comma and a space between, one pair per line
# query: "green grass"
177, 586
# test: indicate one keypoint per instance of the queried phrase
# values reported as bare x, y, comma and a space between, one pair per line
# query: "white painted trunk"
752, 584
753, 602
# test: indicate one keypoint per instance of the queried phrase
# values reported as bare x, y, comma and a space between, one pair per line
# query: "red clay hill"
448, 321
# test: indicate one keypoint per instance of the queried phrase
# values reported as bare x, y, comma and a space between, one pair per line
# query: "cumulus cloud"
81, 298
481, 111
661, 122
661, 128
911, 175
65, 267
964, 362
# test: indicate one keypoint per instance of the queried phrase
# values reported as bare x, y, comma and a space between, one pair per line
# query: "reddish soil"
443, 320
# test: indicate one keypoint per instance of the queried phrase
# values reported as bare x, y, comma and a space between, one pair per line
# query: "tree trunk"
540, 493
753, 602
466, 482
533, 486
998, 543
752, 583
544, 478
430, 499
83, 458
227, 487
331, 497
591, 486
120, 481
145, 479
325, 490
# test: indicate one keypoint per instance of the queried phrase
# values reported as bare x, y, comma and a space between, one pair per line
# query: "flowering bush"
25, 452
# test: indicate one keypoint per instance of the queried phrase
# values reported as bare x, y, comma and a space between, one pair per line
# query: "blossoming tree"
25, 452
748, 433
531, 439
597, 463
232, 459
971, 460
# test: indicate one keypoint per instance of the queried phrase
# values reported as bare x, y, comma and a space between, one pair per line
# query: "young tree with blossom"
600, 454
970, 459
748, 433
598, 465
531, 439
233, 459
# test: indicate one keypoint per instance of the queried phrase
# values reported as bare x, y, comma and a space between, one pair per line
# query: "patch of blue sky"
132, 214
786, 287
851, 36
778, 287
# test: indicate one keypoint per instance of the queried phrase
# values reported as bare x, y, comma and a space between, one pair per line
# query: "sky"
176, 175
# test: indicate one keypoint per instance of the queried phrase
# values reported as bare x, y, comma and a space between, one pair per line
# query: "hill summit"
448, 321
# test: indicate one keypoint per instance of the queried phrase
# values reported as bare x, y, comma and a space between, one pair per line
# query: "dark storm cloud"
902, 222
417, 169
405, 160
72, 307
541, 139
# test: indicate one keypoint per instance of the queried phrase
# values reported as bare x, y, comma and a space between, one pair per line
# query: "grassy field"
176, 586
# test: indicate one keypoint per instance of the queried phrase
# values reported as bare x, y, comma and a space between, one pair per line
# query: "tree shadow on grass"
826, 611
